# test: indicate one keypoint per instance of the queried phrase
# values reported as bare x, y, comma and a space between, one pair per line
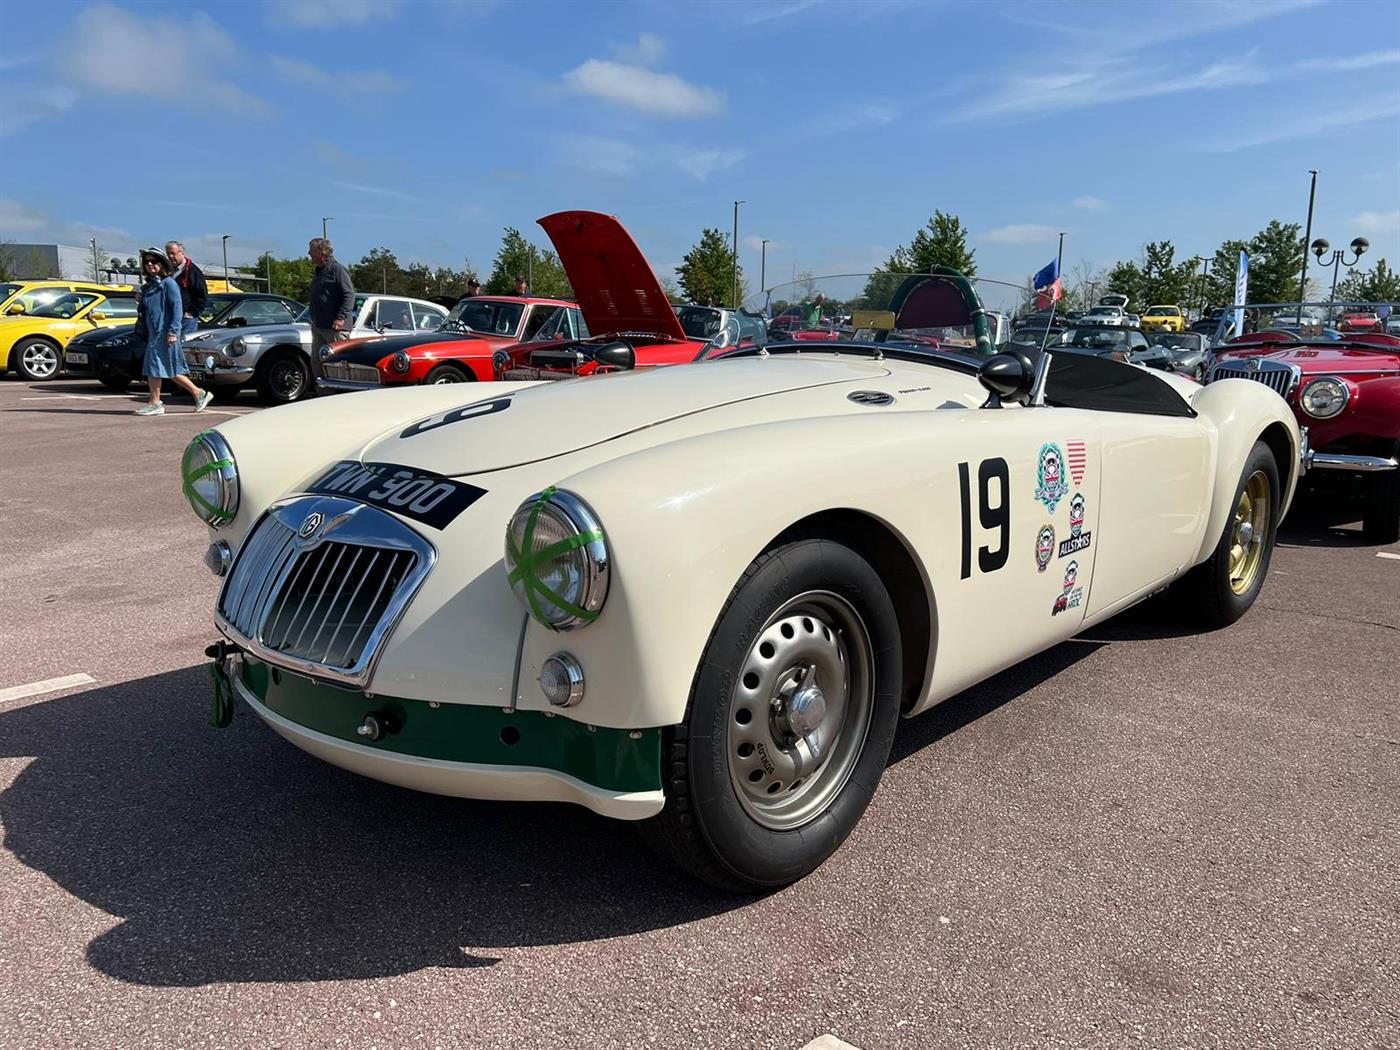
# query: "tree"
379, 271
517, 257
942, 242
1220, 281
1275, 263
94, 265
1378, 285
1164, 280
881, 285
291, 277
706, 274
1125, 278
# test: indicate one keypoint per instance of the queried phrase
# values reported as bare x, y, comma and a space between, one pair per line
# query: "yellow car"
32, 340
1164, 319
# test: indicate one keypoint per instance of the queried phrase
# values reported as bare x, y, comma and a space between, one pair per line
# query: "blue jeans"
189, 325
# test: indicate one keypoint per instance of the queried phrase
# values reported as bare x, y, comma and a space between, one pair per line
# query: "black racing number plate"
430, 498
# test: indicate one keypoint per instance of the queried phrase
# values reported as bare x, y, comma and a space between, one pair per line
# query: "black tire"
225, 395
120, 384
447, 374
707, 827
1380, 522
36, 359
1205, 595
282, 377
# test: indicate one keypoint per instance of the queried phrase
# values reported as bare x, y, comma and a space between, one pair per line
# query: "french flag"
1047, 283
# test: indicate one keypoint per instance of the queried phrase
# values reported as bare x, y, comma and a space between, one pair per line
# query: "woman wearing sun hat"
165, 358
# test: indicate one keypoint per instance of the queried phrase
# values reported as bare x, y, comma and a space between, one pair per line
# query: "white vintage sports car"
701, 597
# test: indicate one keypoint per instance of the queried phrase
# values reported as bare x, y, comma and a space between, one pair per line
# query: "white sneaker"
158, 409
202, 402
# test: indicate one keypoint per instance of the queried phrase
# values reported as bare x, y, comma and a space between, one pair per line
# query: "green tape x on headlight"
557, 559
210, 478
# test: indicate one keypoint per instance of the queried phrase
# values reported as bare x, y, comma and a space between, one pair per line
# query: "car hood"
553, 419
369, 351
210, 337
1314, 359
615, 287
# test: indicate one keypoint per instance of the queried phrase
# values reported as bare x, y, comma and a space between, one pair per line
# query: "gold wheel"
1248, 532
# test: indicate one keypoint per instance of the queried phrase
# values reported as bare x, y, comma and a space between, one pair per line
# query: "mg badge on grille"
1255, 364
310, 525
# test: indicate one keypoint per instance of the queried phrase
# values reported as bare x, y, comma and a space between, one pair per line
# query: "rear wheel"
448, 374
790, 723
1381, 519
283, 377
1220, 591
36, 359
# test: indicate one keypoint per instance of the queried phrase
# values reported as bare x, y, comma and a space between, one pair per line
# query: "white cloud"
599, 155
29, 106
664, 94
704, 163
1021, 233
377, 191
28, 225
207, 250
768, 12
18, 221
1089, 203
330, 14
119, 52
647, 51
1306, 125
361, 82
1376, 222
1369, 60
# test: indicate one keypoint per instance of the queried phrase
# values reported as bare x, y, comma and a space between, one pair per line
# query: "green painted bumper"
612, 759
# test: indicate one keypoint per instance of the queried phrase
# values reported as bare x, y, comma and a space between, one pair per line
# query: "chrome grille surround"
352, 372
1278, 376
310, 550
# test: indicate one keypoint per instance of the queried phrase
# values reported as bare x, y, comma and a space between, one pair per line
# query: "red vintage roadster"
1345, 391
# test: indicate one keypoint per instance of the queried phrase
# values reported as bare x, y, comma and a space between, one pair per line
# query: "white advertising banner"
1241, 290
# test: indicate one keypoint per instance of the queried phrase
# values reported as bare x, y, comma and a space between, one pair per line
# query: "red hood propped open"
616, 289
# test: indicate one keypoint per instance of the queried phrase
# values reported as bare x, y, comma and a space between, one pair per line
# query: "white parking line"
62, 397
48, 685
1387, 554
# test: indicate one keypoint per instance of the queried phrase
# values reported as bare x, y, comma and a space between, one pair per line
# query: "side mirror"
617, 355
1008, 376
15, 310
98, 315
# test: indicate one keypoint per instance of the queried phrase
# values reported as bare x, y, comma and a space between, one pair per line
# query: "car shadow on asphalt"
229, 855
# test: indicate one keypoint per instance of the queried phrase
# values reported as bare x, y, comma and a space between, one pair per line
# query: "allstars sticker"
1050, 476
1079, 537
1044, 547
1070, 595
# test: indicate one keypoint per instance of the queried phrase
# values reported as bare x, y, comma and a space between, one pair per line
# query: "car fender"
1243, 412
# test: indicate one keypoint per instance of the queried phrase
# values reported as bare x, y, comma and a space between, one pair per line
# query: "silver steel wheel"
800, 710
41, 360
286, 379
447, 377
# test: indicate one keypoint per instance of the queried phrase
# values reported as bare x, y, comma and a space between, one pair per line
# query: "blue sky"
427, 125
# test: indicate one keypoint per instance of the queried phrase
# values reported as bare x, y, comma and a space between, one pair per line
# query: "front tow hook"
376, 725
226, 664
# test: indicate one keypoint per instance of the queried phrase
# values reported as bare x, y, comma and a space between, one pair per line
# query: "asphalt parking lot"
1145, 836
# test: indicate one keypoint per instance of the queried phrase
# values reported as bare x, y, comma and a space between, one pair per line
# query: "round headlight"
557, 559
400, 362
500, 361
324, 353
1324, 398
210, 478
236, 347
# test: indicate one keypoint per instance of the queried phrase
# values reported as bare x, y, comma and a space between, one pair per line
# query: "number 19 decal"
992, 517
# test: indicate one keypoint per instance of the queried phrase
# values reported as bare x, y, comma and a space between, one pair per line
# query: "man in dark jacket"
194, 292
332, 301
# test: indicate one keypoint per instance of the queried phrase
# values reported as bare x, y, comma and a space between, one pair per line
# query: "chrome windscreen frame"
344, 521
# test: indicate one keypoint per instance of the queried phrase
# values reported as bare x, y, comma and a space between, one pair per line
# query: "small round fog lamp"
218, 558
561, 680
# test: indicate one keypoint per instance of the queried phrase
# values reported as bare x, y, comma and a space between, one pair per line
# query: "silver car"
276, 359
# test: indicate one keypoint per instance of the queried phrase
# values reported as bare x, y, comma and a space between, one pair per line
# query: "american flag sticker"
1076, 460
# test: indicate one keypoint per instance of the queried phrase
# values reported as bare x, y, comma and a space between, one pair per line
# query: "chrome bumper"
1342, 461
342, 385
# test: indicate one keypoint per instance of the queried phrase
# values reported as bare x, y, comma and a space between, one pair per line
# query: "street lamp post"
763, 268
1307, 237
269, 273
225, 244
325, 219
734, 293
1205, 273
1320, 248
1060, 257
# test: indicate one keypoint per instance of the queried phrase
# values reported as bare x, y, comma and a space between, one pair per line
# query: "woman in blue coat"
165, 358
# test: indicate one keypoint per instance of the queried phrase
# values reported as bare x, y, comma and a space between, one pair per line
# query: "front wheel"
1381, 518
284, 378
791, 719
447, 374
1222, 589
36, 359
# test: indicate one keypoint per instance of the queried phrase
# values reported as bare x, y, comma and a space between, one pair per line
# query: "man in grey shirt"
332, 302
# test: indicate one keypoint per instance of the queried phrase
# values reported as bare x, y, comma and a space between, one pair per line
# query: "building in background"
67, 262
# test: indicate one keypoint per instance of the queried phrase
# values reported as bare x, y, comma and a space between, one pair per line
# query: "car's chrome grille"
354, 373
323, 602
1279, 377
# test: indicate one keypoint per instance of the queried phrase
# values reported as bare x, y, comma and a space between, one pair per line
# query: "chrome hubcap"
800, 710
446, 377
40, 360
286, 380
